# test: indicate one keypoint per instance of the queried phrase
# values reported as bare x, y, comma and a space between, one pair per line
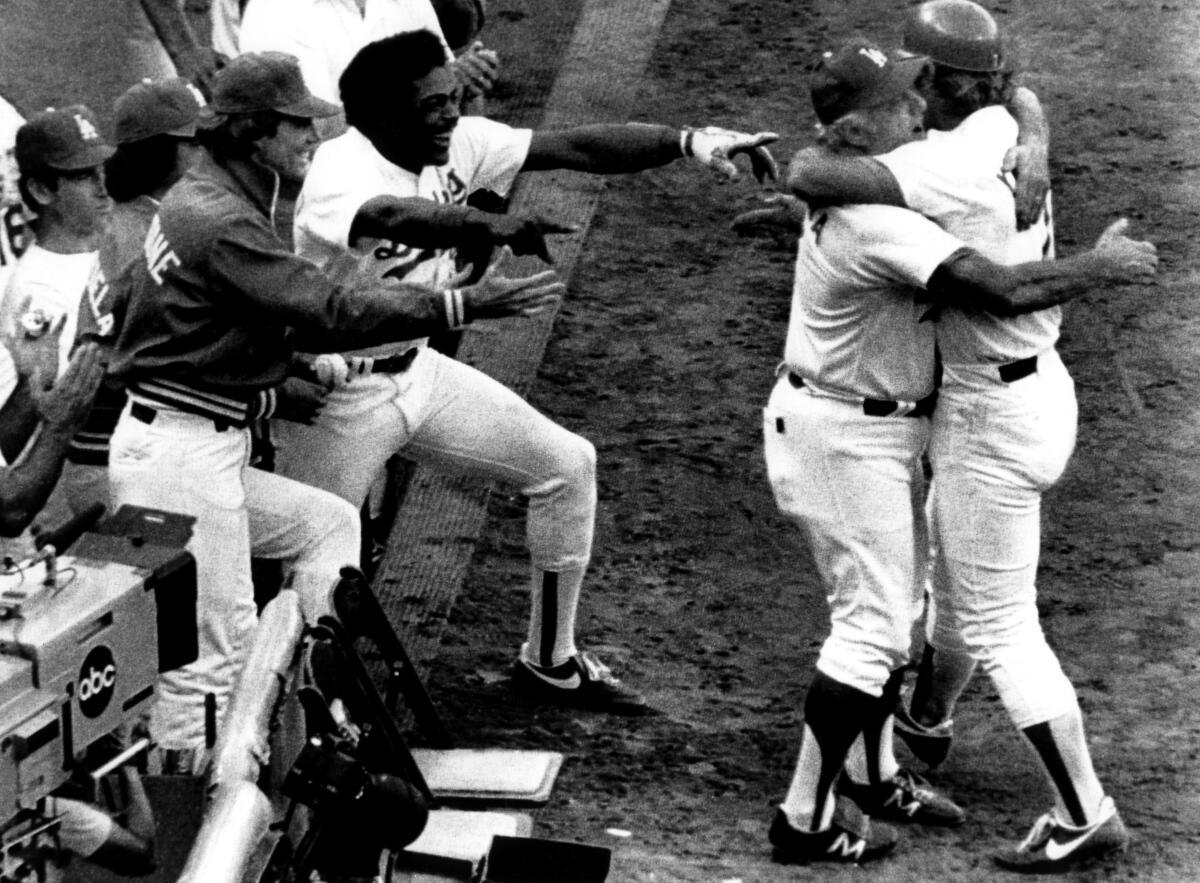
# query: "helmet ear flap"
955, 33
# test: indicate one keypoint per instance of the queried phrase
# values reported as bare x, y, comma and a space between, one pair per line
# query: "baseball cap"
160, 107
861, 75
267, 81
67, 139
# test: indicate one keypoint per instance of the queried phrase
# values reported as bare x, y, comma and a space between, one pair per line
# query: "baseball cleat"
906, 797
851, 839
930, 745
1053, 846
583, 682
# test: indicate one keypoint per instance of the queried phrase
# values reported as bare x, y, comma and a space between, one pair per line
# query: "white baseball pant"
443, 412
996, 448
182, 463
856, 486
453, 416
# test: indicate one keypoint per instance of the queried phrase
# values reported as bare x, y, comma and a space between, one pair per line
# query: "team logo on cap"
873, 55
86, 130
197, 94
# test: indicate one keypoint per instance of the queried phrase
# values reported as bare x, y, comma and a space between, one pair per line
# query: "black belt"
1014, 371
394, 364
882, 407
146, 414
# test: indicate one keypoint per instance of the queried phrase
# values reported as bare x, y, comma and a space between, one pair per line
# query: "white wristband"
455, 314
685, 142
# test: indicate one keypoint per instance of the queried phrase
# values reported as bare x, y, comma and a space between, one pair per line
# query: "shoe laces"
596, 670
906, 780
1040, 833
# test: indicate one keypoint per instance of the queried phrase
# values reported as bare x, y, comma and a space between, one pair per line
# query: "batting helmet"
955, 33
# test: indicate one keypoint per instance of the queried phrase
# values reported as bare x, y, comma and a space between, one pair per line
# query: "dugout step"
495, 847
455, 842
470, 777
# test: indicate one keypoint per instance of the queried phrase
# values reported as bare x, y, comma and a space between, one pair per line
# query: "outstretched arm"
612, 148
193, 60
969, 280
423, 223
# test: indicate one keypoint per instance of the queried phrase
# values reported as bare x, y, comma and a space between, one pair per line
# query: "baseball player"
1003, 430
213, 315
390, 194
154, 122
61, 155
844, 432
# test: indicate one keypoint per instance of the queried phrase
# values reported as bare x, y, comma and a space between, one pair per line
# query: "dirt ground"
704, 596
700, 593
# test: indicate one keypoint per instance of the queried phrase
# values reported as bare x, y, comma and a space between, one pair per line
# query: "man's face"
80, 204
421, 129
897, 122
944, 96
289, 151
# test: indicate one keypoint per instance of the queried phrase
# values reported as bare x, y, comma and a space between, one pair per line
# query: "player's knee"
1031, 683
585, 455
342, 522
573, 464
948, 637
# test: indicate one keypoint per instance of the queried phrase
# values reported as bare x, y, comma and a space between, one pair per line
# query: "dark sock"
924, 682
1042, 739
549, 634
878, 717
835, 713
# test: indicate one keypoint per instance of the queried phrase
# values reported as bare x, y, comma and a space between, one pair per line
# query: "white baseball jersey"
856, 324
326, 34
55, 283
348, 171
955, 179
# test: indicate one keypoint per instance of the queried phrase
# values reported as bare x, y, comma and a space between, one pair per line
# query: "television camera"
83, 638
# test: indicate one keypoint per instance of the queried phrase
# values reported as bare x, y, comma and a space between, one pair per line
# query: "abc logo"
96, 680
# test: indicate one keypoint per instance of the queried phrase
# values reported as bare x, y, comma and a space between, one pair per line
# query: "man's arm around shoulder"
820, 178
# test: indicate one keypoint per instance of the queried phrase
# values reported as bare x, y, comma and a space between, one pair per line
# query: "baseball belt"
145, 414
1014, 371
884, 407
394, 364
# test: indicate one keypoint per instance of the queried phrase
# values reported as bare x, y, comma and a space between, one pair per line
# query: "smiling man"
391, 195
844, 431
214, 313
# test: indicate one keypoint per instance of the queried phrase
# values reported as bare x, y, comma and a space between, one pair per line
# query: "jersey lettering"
159, 255
94, 296
405, 258
456, 189
1048, 246
13, 235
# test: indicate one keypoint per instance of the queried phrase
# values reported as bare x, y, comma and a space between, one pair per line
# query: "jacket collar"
258, 183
